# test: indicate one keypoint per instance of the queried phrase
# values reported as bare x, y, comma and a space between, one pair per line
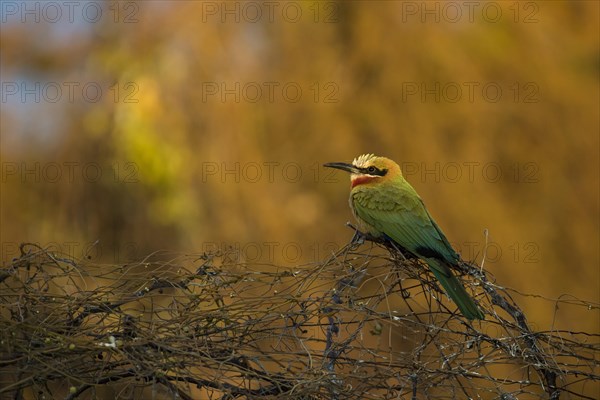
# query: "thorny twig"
367, 323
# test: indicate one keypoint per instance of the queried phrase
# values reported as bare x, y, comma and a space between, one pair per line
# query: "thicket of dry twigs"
364, 324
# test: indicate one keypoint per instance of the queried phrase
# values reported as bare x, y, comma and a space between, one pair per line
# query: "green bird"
386, 205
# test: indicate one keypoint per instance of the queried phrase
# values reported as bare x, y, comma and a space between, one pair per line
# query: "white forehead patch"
362, 161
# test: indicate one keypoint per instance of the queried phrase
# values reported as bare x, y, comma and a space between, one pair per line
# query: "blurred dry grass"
186, 170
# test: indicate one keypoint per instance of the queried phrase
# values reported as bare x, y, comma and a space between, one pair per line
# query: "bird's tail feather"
455, 290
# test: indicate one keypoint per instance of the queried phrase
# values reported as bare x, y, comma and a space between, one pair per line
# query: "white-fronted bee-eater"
386, 205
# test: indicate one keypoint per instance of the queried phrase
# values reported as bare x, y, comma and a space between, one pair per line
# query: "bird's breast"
385, 198
363, 225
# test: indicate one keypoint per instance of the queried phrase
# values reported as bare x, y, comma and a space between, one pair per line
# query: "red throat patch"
362, 179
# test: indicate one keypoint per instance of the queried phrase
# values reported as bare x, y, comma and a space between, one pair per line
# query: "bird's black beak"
343, 166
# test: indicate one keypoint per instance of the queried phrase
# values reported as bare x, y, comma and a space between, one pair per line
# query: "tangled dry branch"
364, 324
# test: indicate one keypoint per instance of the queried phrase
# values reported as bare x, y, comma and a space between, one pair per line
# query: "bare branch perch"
365, 324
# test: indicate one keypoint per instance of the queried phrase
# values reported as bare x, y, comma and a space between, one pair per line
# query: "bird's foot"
360, 237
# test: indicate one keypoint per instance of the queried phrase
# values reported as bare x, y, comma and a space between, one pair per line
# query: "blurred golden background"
133, 127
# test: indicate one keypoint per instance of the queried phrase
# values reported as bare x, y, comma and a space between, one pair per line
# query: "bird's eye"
372, 169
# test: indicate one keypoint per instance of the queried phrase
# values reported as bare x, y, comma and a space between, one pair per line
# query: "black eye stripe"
376, 171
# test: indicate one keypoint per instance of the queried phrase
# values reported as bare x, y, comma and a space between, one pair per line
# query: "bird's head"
369, 169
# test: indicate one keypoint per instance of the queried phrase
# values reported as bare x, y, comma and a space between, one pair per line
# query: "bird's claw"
360, 237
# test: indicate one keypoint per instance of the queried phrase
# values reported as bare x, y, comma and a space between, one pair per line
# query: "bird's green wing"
399, 213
